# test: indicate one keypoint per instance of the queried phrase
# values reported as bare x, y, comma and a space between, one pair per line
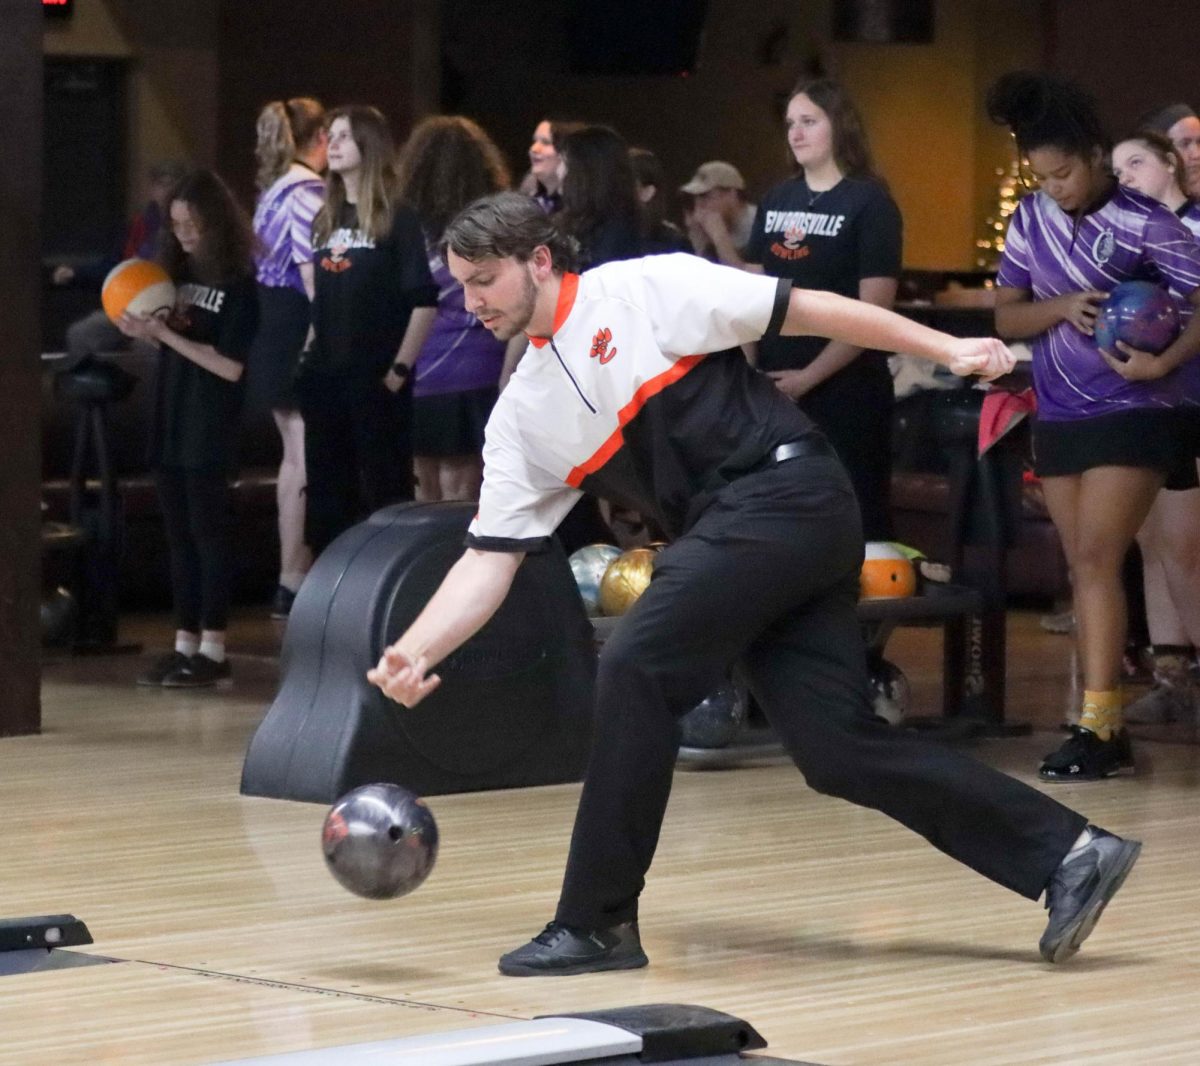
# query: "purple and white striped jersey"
283, 220
1189, 215
1130, 236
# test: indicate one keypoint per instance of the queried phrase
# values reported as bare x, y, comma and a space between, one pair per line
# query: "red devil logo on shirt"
600, 348
334, 262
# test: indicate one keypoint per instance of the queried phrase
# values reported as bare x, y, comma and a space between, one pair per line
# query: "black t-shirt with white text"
196, 412
366, 290
827, 240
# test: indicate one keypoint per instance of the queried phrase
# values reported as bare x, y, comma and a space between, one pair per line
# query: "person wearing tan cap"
718, 189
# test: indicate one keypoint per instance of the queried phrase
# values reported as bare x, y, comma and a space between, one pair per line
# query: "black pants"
357, 450
767, 579
195, 507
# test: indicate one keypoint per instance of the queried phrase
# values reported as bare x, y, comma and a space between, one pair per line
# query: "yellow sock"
1101, 712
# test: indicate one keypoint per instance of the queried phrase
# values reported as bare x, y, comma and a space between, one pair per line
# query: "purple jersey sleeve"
303, 205
1170, 246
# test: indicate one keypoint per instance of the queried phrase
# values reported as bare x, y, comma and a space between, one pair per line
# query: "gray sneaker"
1080, 889
1167, 701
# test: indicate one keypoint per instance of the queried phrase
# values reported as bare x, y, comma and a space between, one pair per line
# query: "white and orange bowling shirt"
623, 400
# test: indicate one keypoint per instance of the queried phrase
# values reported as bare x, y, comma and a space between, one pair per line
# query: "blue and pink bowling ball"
1140, 313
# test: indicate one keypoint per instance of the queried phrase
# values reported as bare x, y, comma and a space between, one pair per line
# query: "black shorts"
1191, 421
451, 424
271, 365
1155, 439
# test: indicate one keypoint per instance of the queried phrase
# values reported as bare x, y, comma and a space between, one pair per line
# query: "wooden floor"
844, 939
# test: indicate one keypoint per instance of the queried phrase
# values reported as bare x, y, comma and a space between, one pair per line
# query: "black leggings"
768, 579
195, 507
357, 451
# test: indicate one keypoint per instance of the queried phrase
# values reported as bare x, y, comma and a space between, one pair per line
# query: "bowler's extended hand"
985, 356
403, 679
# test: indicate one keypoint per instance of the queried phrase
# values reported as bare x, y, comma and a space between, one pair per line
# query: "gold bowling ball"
625, 580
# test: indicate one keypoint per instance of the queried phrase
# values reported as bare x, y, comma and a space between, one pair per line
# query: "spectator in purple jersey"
1107, 436
448, 162
1181, 125
1170, 536
291, 148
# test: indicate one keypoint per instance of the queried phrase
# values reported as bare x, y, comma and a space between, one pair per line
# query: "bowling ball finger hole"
395, 834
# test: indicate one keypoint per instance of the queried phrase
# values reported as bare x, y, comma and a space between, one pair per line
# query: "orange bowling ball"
887, 573
138, 286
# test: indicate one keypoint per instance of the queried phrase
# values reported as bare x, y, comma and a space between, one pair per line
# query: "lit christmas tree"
1009, 191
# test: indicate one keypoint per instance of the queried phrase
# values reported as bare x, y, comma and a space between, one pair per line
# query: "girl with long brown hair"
833, 226
373, 307
203, 342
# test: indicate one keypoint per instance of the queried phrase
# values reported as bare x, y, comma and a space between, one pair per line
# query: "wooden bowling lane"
838, 935
138, 1014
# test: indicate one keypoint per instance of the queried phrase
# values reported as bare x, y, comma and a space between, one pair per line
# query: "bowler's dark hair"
1043, 111
508, 225
226, 248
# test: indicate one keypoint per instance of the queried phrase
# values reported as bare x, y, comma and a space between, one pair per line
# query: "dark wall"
20, 480
510, 65
1130, 62
375, 53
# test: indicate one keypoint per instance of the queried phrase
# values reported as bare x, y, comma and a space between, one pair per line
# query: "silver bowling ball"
380, 841
588, 565
716, 720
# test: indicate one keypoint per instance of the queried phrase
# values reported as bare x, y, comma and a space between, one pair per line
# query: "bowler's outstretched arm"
468, 596
825, 314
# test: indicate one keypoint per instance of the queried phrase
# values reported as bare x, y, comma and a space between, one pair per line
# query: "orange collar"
566, 301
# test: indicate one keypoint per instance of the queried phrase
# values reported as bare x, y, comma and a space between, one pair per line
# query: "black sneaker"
281, 603
1085, 757
200, 672
1080, 889
559, 951
163, 667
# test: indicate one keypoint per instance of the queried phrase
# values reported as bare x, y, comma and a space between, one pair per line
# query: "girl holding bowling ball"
1107, 434
203, 344
1170, 536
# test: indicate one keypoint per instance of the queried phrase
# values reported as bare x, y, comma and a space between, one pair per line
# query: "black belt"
812, 445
